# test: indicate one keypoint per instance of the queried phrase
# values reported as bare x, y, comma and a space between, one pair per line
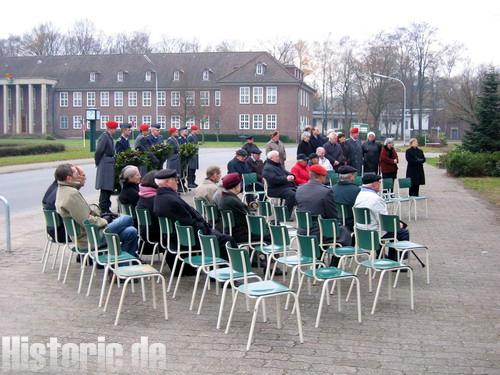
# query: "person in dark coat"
174, 161
341, 140
354, 151
415, 169
305, 147
250, 147
389, 160
315, 197
238, 163
333, 151
317, 139
371, 154
130, 177
280, 182
346, 191
255, 163
155, 137
194, 162
105, 162
123, 144
183, 134
144, 131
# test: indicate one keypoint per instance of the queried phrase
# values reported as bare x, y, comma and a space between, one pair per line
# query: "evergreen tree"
484, 135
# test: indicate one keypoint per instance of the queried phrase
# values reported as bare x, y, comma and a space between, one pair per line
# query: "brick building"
223, 92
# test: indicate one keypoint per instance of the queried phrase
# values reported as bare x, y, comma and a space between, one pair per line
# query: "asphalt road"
24, 190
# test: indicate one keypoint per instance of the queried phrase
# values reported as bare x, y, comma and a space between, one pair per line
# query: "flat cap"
318, 169
302, 157
156, 126
165, 173
368, 178
125, 126
241, 152
111, 124
231, 180
256, 150
183, 128
346, 169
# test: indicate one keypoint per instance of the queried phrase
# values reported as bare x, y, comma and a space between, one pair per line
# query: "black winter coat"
238, 166
334, 153
318, 141
229, 201
129, 194
306, 148
415, 169
371, 156
122, 144
276, 175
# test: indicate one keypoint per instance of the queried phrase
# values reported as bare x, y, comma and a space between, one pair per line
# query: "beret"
165, 173
354, 130
345, 169
194, 127
172, 130
313, 156
156, 126
144, 127
111, 124
231, 180
125, 126
302, 157
368, 178
318, 169
241, 152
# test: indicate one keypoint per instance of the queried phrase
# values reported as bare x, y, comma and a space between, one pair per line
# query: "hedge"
31, 149
461, 163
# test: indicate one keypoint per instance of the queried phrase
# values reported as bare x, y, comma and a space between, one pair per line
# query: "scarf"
146, 192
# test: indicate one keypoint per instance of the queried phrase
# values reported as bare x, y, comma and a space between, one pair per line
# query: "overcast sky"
476, 23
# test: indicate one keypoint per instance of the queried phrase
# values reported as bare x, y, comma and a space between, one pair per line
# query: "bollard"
7, 222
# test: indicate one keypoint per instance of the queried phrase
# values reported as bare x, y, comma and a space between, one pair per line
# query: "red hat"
144, 127
172, 130
318, 169
194, 127
231, 180
111, 124
354, 130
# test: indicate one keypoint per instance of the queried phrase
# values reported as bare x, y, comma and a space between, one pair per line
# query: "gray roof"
72, 72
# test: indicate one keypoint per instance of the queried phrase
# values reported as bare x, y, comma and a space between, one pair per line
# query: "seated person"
281, 183
209, 186
322, 160
129, 180
313, 159
169, 204
346, 191
315, 197
70, 202
238, 163
301, 170
147, 194
369, 198
255, 164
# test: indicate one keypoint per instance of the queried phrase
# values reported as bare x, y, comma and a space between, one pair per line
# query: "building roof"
72, 72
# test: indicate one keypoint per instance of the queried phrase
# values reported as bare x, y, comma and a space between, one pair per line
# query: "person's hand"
290, 177
336, 162
395, 161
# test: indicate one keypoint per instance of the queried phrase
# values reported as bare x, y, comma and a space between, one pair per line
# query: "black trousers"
413, 191
392, 175
105, 200
191, 178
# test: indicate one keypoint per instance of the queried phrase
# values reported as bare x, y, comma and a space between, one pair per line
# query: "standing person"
194, 162
305, 146
276, 145
250, 147
183, 132
389, 160
105, 162
343, 146
301, 170
174, 161
354, 151
371, 154
415, 169
317, 139
144, 131
155, 137
123, 143
334, 151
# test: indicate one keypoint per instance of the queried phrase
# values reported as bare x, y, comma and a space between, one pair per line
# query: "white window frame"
190, 121
118, 98
147, 119
258, 95
175, 98
118, 119
147, 98
272, 95
104, 98
190, 99
175, 121
206, 75
119, 76
244, 123
271, 121
259, 69
204, 98
91, 99
63, 99
245, 95
92, 76
162, 120
176, 75
205, 122
147, 76
217, 98
132, 98
66, 122
258, 121
104, 120
77, 99
161, 98
77, 121
132, 120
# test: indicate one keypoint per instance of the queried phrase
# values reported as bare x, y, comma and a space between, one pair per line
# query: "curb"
35, 166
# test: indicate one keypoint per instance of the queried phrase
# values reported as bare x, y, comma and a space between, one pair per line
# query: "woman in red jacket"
389, 160
301, 170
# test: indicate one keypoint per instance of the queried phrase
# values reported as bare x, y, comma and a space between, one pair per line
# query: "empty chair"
52, 221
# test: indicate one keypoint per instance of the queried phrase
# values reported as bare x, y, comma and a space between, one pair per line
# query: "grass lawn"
488, 187
432, 161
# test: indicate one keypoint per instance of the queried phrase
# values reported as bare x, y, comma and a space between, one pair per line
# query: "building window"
176, 75
91, 99
244, 95
454, 133
105, 99
146, 120
132, 98
175, 121
259, 69
271, 122
119, 119
63, 122
77, 99
118, 98
204, 98
244, 121
132, 120
92, 77
217, 98
258, 95
205, 122
104, 120
175, 98
258, 121
63, 99
146, 98
77, 122
119, 76
206, 75
161, 98
190, 98
271, 95
162, 120
147, 77
190, 121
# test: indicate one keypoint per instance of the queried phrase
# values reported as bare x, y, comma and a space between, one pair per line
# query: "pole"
7, 223
156, 95
92, 135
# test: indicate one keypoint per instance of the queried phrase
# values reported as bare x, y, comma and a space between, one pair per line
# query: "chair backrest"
209, 249
345, 211
265, 209
249, 179
280, 239
333, 177
211, 213
227, 221
143, 220
53, 220
198, 205
328, 228
185, 237
358, 180
126, 209
387, 184
281, 214
114, 248
257, 227
166, 230
308, 248
304, 220
93, 237
390, 224
366, 240
72, 230
239, 261
361, 215
404, 183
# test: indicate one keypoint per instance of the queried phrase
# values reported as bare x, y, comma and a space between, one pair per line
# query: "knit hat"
231, 180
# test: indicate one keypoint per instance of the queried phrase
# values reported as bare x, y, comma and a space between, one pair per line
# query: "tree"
11, 46
135, 43
303, 57
484, 135
43, 40
83, 39
178, 45
282, 50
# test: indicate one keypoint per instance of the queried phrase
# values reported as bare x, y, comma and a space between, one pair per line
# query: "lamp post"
403, 125
156, 86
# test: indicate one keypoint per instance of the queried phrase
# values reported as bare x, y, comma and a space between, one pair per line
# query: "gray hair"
332, 134
272, 153
304, 135
388, 140
127, 172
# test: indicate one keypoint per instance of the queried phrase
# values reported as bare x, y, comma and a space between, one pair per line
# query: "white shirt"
368, 198
325, 163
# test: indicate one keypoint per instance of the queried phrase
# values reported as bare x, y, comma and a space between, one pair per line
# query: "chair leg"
324, 290
103, 286
122, 297
268, 268
109, 291
61, 264
358, 293
164, 292
200, 304
178, 279
45, 256
172, 274
232, 312
193, 296
221, 307
56, 256
352, 282
378, 291
153, 292
301, 281
339, 297
299, 318
292, 278
274, 270
389, 283
45, 249
143, 289
155, 248
410, 271
278, 312
82, 266
91, 277
254, 319
67, 267
163, 260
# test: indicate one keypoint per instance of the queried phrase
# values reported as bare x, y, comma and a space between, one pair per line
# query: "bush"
241, 137
50, 138
461, 163
421, 140
16, 150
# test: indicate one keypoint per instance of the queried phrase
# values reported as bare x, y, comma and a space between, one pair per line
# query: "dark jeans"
413, 191
402, 235
191, 178
105, 200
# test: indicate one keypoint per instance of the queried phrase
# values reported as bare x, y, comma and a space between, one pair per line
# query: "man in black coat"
317, 139
238, 163
255, 164
194, 162
415, 169
249, 146
354, 151
123, 144
105, 162
155, 137
371, 154
333, 151
346, 191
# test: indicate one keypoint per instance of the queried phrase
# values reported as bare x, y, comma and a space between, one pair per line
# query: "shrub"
421, 140
468, 164
162, 152
130, 157
50, 138
186, 152
16, 150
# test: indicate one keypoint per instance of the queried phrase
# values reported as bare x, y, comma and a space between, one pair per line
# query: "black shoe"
401, 270
192, 186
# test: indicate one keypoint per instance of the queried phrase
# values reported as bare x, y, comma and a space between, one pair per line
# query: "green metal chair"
316, 270
259, 228
126, 209
404, 184
304, 220
266, 210
345, 212
369, 240
333, 178
211, 213
52, 220
281, 217
249, 188
144, 223
72, 231
166, 230
227, 217
129, 274
198, 205
387, 192
362, 216
391, 224
358, 180
260, 290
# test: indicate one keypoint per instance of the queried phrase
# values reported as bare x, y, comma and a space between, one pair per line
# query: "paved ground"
454, 328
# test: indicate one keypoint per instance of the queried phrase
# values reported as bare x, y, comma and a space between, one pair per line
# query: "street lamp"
156, 85
403, 125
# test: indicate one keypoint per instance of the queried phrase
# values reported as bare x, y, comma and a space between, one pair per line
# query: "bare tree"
178, 45
138, 42
282, 50
303, 56
322, 76
43, 40
11, 46
83, 39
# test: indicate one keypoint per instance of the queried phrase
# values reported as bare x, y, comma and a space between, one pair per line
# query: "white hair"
127, 172
304, 135
332, 134
388, 140
320, 148
272, 153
